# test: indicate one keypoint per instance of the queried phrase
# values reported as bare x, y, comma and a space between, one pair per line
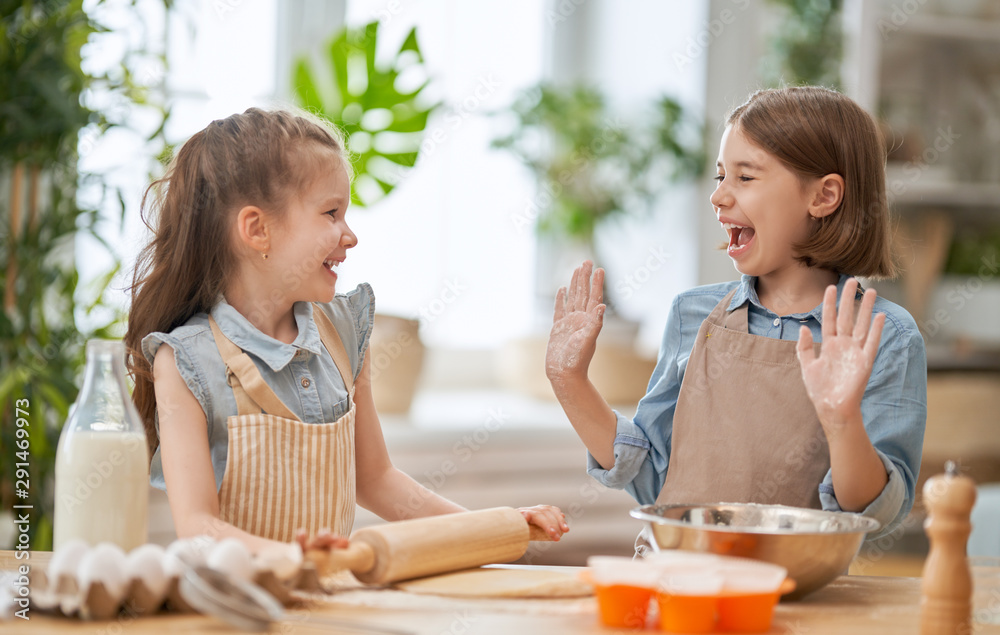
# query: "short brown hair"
259, 157
816, 131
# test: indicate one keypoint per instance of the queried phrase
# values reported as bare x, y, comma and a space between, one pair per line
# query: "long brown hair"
260, 157
815, 131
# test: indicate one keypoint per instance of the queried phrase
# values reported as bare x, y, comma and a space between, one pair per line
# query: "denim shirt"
284, 367
894, 406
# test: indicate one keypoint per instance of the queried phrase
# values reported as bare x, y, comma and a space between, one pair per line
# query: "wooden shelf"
952, 28
948, 195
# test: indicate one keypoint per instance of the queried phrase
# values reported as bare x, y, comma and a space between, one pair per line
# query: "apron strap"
720, 316
331, 340
251, 391
737, 319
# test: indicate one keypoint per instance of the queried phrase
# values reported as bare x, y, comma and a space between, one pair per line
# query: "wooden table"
859, 605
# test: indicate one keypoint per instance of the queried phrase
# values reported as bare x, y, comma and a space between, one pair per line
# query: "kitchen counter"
859, 605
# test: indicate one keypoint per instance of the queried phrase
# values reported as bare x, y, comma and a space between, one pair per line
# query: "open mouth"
333, 266
739, 237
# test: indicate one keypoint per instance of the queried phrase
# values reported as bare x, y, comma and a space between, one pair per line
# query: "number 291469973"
22, 464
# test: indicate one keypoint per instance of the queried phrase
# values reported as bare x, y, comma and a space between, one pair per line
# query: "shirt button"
305, 382
777, 321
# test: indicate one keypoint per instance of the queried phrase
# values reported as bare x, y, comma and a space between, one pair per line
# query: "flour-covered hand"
836, 379
579, 315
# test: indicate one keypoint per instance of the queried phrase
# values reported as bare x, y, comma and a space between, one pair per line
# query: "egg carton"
96, 583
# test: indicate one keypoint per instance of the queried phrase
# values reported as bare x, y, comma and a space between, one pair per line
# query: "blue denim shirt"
283, 366
894, 407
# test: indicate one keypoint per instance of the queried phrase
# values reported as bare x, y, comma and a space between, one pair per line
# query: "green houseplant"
591, 164
383, 122
42, 112
807, 45
591, 168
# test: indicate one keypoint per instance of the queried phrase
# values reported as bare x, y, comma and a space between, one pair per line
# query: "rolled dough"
501, 583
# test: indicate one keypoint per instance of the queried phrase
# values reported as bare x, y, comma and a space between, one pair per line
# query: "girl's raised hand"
579, 315
549, 519
837, 378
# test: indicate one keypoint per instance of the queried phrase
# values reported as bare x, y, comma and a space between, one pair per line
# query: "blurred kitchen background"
498, 144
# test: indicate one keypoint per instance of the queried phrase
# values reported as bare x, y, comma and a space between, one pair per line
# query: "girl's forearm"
591, 416
394, 495
217, 529
859, 475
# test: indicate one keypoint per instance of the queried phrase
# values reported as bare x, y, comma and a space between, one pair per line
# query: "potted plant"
591, 168
42, 111
807, 44
361, 95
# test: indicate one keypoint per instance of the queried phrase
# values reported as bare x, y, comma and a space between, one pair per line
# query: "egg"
185, 552
145, 563
66, 560
230, 556
284, 560
105, 563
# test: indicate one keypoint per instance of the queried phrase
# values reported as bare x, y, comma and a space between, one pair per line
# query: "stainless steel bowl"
815, 546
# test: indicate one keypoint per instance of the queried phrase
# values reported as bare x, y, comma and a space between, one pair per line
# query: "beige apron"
281, 473
744, 429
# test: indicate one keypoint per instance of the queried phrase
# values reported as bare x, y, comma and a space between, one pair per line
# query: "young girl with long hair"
250, 371
742, 405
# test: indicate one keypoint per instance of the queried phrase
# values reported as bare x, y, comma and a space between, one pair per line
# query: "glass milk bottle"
102, 462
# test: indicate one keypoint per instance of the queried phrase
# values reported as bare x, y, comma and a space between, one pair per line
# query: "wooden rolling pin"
427, 546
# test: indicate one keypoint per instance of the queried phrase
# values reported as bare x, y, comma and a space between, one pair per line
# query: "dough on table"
505, 583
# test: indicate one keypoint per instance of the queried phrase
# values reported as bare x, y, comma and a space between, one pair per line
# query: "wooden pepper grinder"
946, 602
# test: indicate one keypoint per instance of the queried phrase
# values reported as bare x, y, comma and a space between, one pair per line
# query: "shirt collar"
747, 291
272, 352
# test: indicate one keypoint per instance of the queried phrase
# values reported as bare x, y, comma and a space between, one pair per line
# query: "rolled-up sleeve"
894, 410
642, 445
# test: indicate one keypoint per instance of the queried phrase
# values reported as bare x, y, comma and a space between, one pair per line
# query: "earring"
263, 255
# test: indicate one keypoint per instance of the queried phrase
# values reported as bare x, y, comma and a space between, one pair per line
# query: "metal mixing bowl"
814, 546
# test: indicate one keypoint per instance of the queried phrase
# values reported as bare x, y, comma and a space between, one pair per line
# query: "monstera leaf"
368, 99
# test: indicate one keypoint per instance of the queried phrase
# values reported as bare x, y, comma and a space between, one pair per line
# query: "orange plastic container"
695, 593
687, 613
725, 613
623, 606
624, 589
705, 593
747, 613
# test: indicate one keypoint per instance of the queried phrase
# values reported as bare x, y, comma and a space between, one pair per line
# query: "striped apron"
283, 474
